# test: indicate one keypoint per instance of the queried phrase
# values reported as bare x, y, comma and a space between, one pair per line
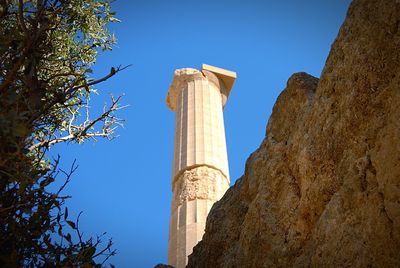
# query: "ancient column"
200, 173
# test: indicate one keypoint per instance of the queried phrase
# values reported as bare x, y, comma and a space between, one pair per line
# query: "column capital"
223, 79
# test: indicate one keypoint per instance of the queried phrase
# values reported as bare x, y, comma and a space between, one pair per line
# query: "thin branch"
101, 117
105, 249
109, 255
82, 131
113, 72
72, 120
60, 74
68, 175
77, 228
47, 143
21, 16
69, 93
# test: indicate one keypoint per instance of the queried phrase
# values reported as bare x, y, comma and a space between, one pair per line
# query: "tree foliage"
47, 50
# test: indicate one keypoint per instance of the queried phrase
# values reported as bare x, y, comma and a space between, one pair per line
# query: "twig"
74, 167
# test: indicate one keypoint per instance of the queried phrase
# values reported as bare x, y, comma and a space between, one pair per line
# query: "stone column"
200, 173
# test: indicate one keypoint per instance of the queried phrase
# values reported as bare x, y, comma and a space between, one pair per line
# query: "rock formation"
323, 189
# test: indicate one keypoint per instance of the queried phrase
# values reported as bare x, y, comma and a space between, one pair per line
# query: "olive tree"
47, 50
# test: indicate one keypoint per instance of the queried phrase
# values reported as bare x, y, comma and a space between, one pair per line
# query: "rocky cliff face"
323, 189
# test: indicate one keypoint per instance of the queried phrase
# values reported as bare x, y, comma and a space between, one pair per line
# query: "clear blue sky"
124, 186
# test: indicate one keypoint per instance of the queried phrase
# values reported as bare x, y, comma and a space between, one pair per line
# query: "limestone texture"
323, 189
199, 183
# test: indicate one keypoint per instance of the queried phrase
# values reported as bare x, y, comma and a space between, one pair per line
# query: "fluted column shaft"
200, 174
199, 129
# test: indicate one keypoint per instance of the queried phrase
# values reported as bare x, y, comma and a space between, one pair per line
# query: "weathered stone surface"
199, 183
323, 189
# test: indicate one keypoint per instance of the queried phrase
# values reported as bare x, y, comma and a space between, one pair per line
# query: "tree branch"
82, 131
69, 93
21, 16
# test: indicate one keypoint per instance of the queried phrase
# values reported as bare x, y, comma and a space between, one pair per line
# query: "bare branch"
77, 228
76, 132
68, 175
47, 143
72, 90
106, 114
110, 243
112, 73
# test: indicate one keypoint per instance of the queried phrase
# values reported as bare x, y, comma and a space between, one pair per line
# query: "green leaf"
66, 213
72, 224
68, 237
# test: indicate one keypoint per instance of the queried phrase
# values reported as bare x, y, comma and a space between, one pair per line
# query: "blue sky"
124, 186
